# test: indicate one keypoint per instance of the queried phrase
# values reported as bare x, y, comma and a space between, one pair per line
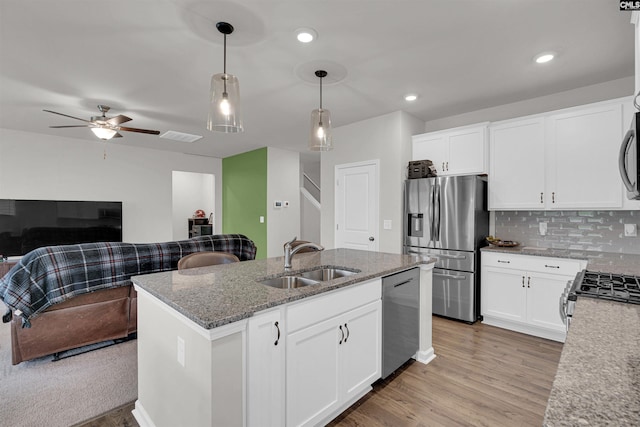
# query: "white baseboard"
141, 416
550, 334
425, 356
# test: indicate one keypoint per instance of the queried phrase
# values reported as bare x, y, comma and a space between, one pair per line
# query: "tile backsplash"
601, 231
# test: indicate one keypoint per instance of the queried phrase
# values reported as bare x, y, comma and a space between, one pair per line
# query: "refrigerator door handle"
437, 214
432, 215
451, 256
450, 276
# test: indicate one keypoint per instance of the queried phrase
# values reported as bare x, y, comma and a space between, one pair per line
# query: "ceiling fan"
105, 127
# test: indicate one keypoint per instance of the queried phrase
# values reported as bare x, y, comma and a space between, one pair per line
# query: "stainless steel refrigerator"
447, 218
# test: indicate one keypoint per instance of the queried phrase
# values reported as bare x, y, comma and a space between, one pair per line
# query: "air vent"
179, 136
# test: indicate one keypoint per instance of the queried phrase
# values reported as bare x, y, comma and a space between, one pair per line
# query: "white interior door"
357, 193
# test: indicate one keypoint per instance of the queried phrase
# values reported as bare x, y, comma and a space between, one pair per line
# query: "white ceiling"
152, 60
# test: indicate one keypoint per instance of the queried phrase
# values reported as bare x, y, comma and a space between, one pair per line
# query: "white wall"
191, 191
283, 184
36, 166
387, 138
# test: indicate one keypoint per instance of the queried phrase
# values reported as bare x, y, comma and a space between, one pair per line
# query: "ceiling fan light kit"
224, 106
102, 126
320, 138
103, 133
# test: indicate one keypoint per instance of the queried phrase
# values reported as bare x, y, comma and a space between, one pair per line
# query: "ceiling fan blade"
115, 121
66, 115
71, 126
151, 132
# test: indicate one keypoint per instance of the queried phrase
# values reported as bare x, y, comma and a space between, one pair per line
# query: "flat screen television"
29, 224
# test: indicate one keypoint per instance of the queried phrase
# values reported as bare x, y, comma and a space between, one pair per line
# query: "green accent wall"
244, 197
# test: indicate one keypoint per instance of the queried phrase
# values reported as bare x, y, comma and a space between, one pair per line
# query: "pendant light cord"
321, 93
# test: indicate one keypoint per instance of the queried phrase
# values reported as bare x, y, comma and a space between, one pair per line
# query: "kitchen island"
217, 347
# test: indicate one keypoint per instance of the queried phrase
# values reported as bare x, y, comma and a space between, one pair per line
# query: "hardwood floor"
482, 376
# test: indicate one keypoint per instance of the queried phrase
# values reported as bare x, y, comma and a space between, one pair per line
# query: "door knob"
371, 239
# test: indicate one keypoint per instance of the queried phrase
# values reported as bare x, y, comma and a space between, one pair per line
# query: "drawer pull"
523, 281
552, 266
504, 262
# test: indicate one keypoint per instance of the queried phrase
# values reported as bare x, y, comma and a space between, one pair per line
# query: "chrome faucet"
289, 251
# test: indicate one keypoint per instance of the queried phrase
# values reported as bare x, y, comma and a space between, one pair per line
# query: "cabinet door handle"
443, 169
342, 332
523, 281
541, 198
528, 282
348, 333
504, 262
553, 197
278, 328
552, 266
447, 165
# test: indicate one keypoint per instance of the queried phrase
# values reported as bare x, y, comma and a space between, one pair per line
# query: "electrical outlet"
387, 224
630, 230
261, 220
542, 227
181, 351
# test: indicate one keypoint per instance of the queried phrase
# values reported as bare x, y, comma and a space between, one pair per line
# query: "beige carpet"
59, 394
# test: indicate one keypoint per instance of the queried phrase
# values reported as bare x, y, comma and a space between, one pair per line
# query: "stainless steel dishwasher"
400, 319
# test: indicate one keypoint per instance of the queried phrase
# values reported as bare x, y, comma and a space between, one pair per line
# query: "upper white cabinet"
582, 158
517, 172
458, 151
559, 160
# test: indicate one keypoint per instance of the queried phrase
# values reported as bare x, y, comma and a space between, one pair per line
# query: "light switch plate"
630, 230
387, 224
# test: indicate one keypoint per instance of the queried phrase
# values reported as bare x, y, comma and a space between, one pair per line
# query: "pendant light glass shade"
320, 137
224, 107
224, 96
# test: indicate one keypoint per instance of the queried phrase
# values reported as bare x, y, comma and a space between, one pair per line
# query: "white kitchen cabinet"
522, 293
458, 151
266, 343
517, 164
332, 358
557, 161
582, 157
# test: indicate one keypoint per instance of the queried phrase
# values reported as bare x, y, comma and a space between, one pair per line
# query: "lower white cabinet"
522, 293
333, 362
266, 342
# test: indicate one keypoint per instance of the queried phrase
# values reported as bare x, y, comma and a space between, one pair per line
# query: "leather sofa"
107, 314
90, 316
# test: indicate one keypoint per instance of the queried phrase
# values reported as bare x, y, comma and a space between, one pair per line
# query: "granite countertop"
607, 262
598, 378
218, 295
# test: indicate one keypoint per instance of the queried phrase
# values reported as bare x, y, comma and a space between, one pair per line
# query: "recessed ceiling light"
544, 57
410, 97
306, 35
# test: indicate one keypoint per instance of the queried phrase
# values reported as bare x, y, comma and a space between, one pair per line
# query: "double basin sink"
306, 278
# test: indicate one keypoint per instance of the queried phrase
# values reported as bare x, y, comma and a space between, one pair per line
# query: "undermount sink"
323, 274
288, 282
313, 277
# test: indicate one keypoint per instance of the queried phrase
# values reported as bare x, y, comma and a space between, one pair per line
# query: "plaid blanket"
52, 274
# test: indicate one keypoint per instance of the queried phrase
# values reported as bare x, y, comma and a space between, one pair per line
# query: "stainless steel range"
593, 284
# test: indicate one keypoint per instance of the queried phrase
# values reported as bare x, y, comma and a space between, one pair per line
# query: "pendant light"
320, 138
224, 106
